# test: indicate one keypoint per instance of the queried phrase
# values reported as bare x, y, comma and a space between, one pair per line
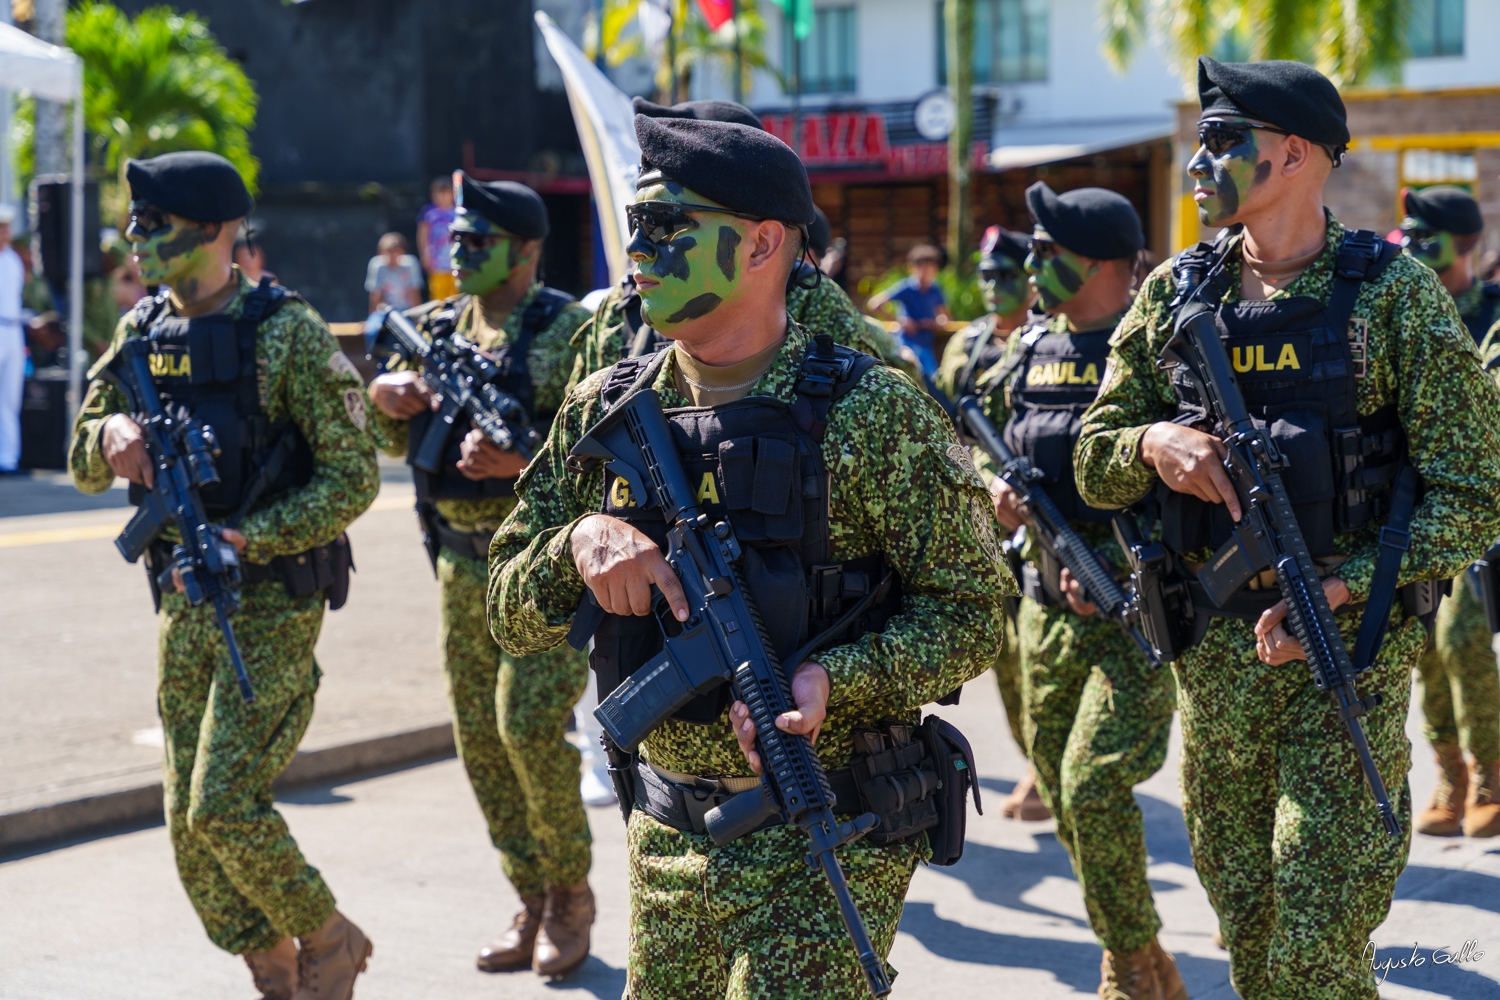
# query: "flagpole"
739, 57
791, 9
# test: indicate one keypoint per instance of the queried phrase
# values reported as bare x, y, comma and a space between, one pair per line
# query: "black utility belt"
682, 805
469, 544
1416, 600
326, 567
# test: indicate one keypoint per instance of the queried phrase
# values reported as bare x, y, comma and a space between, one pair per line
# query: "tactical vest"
1056, 377
515, 378
1297, 362
1484, 317
758, 461
207, 365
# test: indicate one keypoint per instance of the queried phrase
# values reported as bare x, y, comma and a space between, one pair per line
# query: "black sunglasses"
999, 274
1420, 239
1044, 249
659, 221
146, 219
1220, 137
475, 242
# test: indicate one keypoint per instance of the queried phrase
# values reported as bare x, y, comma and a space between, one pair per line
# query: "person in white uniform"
12, 346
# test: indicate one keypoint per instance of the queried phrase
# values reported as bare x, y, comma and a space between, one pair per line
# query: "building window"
1010, 41
1436, 28
828, 52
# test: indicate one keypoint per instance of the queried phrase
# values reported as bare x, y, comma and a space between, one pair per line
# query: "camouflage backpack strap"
549, 302
258, 306
829, 372
1362, 257
629, 376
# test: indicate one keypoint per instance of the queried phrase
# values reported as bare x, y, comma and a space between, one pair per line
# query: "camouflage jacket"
1419, 357
601, 342
900, 484
304, 378
550, 362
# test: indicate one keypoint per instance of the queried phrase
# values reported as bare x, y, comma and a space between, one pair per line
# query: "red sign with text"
834, 139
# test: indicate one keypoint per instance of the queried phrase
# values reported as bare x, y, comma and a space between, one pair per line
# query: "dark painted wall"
363, 102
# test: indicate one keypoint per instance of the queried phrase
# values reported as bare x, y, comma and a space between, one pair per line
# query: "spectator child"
920, 307
433, 242
12, 346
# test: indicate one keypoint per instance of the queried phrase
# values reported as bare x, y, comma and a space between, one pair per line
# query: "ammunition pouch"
897, 779
324, 568
1484, 577
683, 805
957, 777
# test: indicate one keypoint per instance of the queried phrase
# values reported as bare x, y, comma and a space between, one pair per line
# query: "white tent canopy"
56, 74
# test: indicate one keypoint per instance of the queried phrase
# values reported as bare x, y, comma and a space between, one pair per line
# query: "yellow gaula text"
170, 365
1062, 373
1252, 357
708, 489
619, 494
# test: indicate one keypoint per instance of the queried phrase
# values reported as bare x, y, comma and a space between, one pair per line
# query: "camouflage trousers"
750, 920
237, 860
510, 718
1097, 718
1460, 686
1284, 833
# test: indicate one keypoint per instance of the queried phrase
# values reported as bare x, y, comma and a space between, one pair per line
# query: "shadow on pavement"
1448, 980
1000, 876
51, 493
320, 796
597, 976
1460, 887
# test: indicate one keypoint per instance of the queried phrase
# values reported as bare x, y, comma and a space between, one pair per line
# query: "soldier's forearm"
314, 514
1109, 469
534, 589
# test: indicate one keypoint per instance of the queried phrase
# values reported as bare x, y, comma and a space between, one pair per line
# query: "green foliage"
697, 44
152, 85
965, 301
1351, 41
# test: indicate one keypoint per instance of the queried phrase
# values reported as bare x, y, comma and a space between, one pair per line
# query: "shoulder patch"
354, 403
339, 364
960, 457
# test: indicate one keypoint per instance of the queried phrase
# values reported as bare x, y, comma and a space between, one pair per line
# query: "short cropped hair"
392, 241
925, 253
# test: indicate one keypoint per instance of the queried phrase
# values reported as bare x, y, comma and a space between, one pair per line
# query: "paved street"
406, 851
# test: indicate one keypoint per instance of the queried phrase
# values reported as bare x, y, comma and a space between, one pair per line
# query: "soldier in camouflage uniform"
1284, 834
1460, 686
1096, 714
968, 354
749, 919
284, 379
617, 331
510, 714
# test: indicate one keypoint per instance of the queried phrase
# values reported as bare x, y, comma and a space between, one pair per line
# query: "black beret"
740, 167
1451, 209
1091, 222
196, 185
707, 111
1289, 95
513, 207
1001, 242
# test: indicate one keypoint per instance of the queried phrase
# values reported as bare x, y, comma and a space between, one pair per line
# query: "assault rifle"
722, 640
1268, 533
1054, 533
463, 379
182, 454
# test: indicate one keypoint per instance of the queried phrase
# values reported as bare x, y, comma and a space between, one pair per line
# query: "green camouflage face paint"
1056, 273
1433, 247
167, 254
482, 261
1226, 167
1002, 284
691, 271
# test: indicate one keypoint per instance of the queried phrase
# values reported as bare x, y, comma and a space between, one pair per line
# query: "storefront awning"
1030, 145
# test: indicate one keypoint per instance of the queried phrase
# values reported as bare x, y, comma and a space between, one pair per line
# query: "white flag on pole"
606, 129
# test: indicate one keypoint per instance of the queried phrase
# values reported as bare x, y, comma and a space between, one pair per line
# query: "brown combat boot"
563, 943
1482, 812
1129, 977
1444, 818
511, 951
1172, 986
275, 971
331, 957
1024, 802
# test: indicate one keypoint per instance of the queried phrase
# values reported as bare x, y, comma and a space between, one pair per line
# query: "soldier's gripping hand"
1274, 642
229, 535
809, 692
1189, 461
483, 459
401, 395
620, 563
1008, 506
124, 446
1077, 600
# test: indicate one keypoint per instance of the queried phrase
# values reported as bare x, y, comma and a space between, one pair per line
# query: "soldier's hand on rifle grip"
1008, 507
401, 395
124, 446
619, 563
1274, 642
809, 692
483, 459
229, 535
1076, 597
1190, 461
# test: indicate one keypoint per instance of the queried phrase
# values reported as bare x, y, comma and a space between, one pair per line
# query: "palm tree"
1350, 41
690, 43
155, 84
